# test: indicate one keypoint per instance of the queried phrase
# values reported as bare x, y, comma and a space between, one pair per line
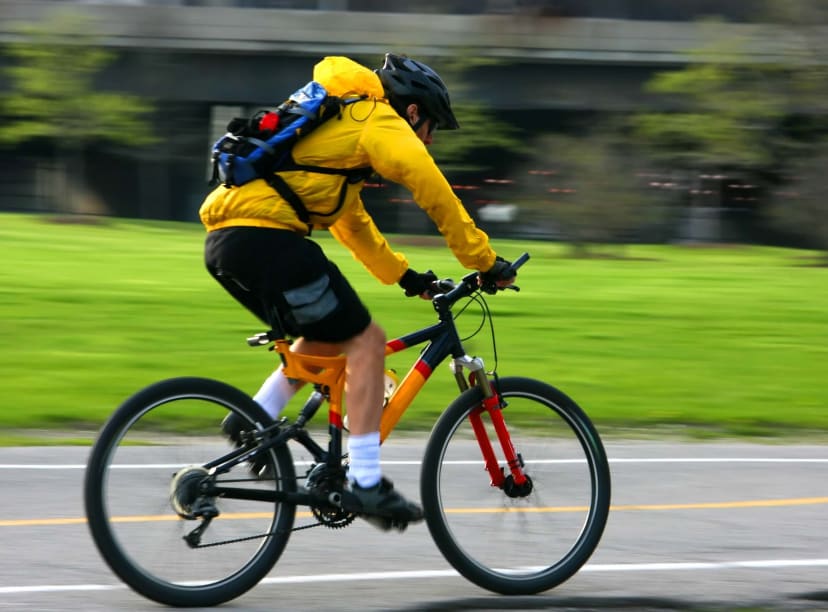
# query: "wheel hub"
185, 491
512, 489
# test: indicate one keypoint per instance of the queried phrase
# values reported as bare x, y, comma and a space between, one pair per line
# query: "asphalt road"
693, 526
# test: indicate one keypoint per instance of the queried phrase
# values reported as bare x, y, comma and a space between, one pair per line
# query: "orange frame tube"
330, 373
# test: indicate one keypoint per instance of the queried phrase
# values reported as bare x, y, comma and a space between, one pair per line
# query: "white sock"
364, 455
275, 393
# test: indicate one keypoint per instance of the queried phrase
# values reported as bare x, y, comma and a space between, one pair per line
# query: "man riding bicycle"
260, 251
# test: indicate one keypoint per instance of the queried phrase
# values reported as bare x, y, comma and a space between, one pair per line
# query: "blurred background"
583, 121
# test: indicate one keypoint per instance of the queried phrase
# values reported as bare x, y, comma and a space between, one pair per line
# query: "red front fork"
493, 407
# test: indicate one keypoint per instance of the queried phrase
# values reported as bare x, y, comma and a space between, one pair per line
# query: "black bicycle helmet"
406, 80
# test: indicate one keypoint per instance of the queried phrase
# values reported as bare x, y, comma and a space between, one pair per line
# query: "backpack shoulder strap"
290, 196
331, 107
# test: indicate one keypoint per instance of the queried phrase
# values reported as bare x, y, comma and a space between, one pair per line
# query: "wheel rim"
146, 533
539, 539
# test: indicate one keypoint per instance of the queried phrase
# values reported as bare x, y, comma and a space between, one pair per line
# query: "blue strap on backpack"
260, 146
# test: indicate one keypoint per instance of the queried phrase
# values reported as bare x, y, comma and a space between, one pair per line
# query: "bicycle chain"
256, 537
336, 519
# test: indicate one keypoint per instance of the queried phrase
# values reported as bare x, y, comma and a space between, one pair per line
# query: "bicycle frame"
444, 341
327, 374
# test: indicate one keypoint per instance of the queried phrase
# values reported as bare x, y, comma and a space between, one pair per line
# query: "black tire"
161, 429
525, 544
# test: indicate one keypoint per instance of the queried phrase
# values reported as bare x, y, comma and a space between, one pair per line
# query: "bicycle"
542, 506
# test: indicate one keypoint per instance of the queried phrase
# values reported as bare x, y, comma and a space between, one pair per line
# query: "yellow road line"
41, 522
756, 503
155, 518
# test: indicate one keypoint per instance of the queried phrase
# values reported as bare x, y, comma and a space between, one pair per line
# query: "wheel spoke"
537, 533
154, 522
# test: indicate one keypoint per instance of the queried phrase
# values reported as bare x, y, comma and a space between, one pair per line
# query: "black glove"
500, 271
415, 283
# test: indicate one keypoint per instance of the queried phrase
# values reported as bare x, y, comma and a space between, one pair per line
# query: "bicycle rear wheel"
534, 541
168, 426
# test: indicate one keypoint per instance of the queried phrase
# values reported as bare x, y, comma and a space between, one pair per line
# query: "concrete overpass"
202, 64
237, 55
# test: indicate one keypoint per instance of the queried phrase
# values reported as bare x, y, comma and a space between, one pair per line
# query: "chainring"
325, 480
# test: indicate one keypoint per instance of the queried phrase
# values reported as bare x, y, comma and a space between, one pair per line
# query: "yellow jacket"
370, 133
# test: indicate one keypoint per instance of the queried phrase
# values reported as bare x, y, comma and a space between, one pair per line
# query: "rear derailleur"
190, 503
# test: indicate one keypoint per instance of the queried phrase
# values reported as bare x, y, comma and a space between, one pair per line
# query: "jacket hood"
341, 76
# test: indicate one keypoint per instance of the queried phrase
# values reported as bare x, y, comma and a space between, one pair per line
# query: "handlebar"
519, 262
447, 292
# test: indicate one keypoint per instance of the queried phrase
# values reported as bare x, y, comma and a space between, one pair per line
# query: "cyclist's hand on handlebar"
499, 276
415, 283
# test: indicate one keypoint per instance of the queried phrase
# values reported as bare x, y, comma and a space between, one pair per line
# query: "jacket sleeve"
398, 155
359, 234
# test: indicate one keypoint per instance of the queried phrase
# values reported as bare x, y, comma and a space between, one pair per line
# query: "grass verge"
706, 341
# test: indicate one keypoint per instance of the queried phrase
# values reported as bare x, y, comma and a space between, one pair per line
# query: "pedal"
349, 502
345, 500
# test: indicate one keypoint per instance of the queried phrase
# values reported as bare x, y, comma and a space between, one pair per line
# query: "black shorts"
287, 282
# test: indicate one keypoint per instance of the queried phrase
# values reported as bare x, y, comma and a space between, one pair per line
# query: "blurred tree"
484, 140
481, 130
588, 189
801, 206
801, 12
726, 108
53, 98
737, 114
808, 67
484, 144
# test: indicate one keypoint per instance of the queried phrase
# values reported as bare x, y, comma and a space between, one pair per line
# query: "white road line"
764, 564
166, 466
58, 588
704, 565
719, 460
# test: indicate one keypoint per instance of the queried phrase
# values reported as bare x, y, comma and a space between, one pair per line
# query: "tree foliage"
801, 206
54, 95
588, 188
738, 113
726, 109
480, 128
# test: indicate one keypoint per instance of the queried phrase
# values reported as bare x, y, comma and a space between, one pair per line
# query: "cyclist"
261, 253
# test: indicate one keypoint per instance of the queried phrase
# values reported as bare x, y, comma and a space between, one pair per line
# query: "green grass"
708, 341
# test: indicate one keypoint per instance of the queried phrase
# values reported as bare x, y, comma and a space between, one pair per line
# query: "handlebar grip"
519, 262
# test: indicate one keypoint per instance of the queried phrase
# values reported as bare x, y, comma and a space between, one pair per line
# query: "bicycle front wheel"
509, 541
145, 469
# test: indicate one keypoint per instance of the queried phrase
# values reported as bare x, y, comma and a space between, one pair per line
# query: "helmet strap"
401, 106
419, 123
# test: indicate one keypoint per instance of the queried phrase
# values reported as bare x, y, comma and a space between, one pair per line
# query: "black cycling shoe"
232, 427
383, 506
